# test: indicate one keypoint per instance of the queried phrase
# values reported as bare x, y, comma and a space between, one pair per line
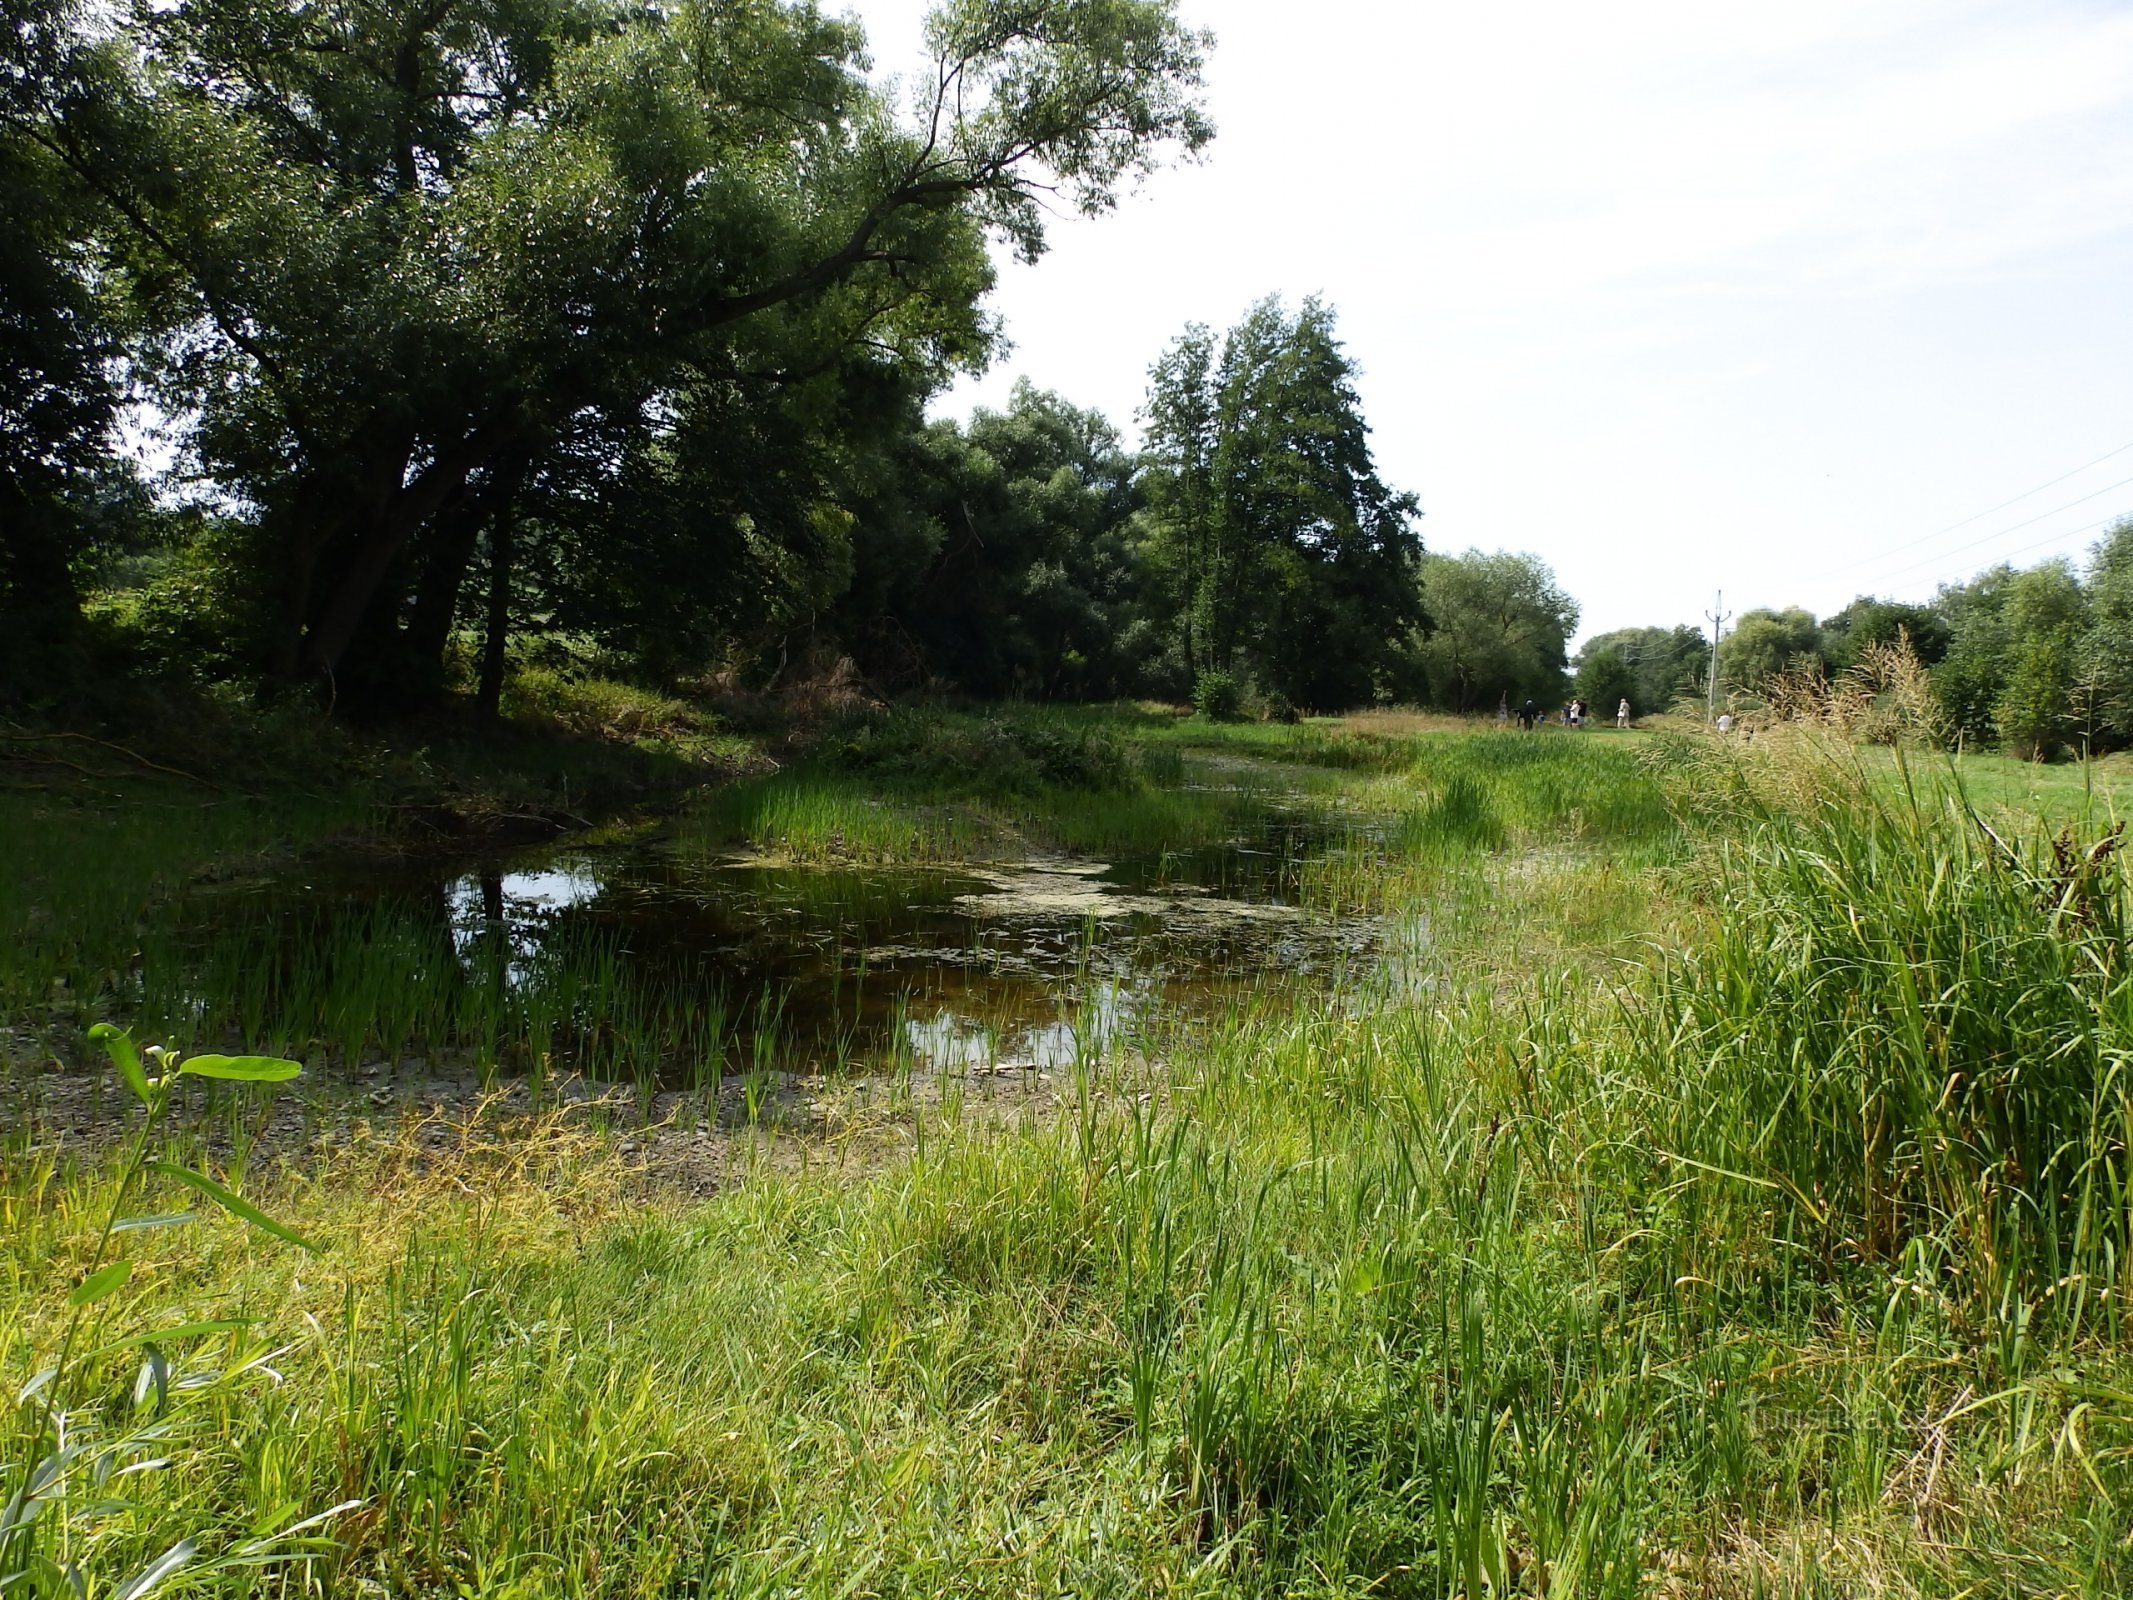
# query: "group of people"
1576, 713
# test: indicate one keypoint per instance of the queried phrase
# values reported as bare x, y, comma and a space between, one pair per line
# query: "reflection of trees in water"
631, 963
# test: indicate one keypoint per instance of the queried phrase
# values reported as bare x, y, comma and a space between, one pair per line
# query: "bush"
1218, 697
619, 713
1003, 753
190, 615
1275, 706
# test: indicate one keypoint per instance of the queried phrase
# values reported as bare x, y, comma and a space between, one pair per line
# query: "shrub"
1218, 697
598, 708
1275, 706
1006, 753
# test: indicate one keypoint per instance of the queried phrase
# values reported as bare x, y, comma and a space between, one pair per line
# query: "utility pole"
1717, 617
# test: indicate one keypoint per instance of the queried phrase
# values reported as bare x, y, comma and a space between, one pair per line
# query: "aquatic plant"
1650, 1236
72, 1462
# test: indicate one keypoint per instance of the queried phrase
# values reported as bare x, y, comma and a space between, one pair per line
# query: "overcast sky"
1676, 296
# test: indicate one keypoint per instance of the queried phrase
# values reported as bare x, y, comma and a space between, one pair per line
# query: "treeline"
2037, 661
579, 319
583, 334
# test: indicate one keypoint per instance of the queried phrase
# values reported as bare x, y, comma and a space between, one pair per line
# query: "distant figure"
1725, 722
1622, 713
1528, 714
1503, 708
1579, 711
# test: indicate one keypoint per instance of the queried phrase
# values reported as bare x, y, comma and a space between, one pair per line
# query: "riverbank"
1726, 1199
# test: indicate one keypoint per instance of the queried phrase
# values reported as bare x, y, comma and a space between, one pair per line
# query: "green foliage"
1868, 620
999, 557
1666, 665
1006, 752
1971, 675
1500, 626
647, 279
67, 499
601, 708
1604, 681
2024, 664
1278, 554
1218, 696
77, 1465
1764, 643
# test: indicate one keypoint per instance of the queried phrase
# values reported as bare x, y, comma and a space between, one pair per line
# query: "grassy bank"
1729, 1200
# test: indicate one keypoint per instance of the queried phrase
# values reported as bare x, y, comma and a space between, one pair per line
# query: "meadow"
1727, 1195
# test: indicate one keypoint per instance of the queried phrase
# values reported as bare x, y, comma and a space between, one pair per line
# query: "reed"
1727, 1201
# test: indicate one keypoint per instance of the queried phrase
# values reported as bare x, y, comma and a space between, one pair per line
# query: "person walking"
1528, 714
1622, 713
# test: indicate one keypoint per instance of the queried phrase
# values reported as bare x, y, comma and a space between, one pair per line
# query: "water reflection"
496, 908
947, 1042
651, 959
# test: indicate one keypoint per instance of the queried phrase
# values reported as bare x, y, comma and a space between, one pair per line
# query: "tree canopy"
404, 261
1500, 629
1280, 554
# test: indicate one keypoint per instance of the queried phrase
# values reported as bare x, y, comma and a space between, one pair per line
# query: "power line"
2054, 538
1897, 550
2030, 522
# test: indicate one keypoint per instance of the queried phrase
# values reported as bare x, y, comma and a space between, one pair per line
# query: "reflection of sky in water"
524, 900
1030, 965
952, 1043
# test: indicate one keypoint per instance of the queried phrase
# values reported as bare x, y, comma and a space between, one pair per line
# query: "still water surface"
1020, 964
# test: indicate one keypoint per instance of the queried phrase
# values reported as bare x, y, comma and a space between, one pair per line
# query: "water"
648, 958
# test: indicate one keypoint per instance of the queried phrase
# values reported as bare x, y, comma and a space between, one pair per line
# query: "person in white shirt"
1725, 722
1622, 713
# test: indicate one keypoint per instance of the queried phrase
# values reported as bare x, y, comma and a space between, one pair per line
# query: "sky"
1795, 302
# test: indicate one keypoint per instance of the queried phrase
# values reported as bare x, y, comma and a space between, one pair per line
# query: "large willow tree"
407, 258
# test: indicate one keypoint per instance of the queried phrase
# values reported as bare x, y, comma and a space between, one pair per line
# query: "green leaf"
242, 1069
153, 1379
184, 1330
118, 1045
233, 1203
137, 1586
101, 1282
162, 1219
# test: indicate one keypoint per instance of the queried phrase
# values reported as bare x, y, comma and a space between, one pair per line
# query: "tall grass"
1780, 1261
82, 876
1918, 1026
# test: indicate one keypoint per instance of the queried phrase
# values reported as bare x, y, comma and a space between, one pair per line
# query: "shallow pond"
650, 959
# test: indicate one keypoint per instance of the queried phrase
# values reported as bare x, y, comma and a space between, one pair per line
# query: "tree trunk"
429, 622
386, 525
502, 538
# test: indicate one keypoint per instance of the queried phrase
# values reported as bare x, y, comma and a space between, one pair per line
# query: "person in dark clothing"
1528, 714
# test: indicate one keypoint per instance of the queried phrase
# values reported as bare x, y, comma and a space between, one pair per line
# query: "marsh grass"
83, 874
819, 815
1914, 1021
1733, 1206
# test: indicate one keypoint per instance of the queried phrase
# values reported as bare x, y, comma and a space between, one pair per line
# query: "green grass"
1733, 1204
83, 870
